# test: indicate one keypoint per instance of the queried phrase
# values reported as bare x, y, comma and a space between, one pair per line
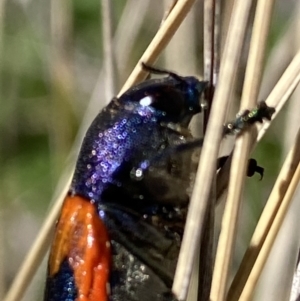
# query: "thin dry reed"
117, 53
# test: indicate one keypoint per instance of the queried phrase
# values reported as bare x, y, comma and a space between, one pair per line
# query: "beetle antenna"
155, 70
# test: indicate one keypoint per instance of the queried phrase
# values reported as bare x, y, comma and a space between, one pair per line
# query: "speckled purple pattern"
136, 128
128, 131
110, 145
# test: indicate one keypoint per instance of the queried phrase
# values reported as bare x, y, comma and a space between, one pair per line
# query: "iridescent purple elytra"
131, 129
139, 126
119, 233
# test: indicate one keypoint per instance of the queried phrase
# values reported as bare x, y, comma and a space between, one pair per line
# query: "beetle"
119, 232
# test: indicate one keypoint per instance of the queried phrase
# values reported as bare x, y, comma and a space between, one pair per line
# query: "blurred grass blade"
34, 258
267, 217
282, 91
207, 165
248, 289
159, 42
241, 152
108, 50
211, 52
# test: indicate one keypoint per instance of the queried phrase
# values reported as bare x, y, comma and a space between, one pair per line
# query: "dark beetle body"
144, 217
144, 252
120, 229
134, 128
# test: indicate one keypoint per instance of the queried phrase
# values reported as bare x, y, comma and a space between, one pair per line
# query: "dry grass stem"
124, 39
293, 121
278, 59
212, 26
42, 242
127, 32
217, 42
208, 39
62, 82
169, 8
206, 250
61, 29
266, 220
258, 44
270, 238
182, 40
206, 172
37, 252
109, 54
242, 148
185, 44
282, 91
277, 98
295, 293
116, 55
159, 42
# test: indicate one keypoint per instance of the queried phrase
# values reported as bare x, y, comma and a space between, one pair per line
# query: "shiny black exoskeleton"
145, 217
140, 125
144, 130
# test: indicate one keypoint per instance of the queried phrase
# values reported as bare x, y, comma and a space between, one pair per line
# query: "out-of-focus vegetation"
50, 60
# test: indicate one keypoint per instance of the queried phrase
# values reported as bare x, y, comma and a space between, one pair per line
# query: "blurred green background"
51, 57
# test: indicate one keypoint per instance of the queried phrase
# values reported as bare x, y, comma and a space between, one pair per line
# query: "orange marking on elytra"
82, 239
